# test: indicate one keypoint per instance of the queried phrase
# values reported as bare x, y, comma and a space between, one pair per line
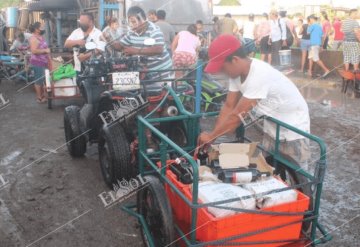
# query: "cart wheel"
114, 154
154, 206
293, 178
49, 100
76, 143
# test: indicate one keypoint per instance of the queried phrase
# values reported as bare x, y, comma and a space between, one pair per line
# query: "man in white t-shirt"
256, 86
87, 32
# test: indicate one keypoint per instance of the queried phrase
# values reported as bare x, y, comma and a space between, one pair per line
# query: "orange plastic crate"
210, 228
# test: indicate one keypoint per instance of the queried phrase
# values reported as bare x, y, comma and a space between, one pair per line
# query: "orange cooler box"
210, 228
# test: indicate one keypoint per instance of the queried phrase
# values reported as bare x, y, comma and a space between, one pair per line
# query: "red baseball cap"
219, 50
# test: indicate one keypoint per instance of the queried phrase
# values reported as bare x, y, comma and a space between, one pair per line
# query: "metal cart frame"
50, 90
148, 166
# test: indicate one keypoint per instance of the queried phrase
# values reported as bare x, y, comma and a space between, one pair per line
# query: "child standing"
316, 41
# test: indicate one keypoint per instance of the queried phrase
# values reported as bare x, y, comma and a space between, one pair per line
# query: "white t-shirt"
248, 30
277, 96
79, 34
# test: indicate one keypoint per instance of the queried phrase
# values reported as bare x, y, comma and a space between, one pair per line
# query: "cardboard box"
235, 155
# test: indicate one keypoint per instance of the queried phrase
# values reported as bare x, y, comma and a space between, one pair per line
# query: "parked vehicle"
115, 93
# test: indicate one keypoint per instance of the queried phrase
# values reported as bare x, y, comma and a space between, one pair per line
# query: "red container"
210, 228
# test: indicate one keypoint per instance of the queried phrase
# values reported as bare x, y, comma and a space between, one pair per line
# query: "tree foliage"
9, 3
229, 3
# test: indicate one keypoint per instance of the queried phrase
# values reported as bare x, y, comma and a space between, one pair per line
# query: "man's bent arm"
116, 45
231, 101
151, 51
71, 43
233, 120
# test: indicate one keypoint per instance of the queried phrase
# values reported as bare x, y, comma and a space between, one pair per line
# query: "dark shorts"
275, 48
305, 45
39, 75
265, 48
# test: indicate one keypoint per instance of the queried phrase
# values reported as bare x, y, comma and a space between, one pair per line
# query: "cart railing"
316, 179
192, 125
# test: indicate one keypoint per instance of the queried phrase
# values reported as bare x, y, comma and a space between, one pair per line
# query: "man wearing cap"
255, 86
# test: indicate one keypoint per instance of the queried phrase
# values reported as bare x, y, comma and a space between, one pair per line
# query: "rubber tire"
164, 214
76, 147
295, 178
114, 148
49, 101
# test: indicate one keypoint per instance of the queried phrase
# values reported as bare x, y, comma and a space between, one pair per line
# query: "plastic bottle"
241, 176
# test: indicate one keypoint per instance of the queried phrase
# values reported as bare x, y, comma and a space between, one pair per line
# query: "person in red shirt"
338, 34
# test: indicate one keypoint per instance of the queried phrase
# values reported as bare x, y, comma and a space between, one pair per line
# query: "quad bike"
13, 68
116, 92
213, 93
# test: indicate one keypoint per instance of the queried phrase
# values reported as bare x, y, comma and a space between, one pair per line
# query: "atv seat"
184, 87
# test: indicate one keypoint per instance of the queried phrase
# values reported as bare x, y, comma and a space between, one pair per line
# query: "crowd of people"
275, 31
278, 31
253, 84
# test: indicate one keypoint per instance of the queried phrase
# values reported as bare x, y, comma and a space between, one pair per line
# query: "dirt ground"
52, 199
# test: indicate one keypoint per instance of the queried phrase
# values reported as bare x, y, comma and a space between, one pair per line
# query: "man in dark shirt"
166, 29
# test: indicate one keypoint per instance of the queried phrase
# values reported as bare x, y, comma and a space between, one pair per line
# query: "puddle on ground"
326, 92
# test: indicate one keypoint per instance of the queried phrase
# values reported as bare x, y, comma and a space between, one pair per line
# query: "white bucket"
285, 57
65, 92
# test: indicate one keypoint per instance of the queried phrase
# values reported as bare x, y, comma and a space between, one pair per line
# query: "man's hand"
106, 37
131, 51
284, 43
82, 57
205, 138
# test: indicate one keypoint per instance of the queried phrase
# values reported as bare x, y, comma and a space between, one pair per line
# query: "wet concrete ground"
52, 199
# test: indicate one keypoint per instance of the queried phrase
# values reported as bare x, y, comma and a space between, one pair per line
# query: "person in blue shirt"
316, 41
